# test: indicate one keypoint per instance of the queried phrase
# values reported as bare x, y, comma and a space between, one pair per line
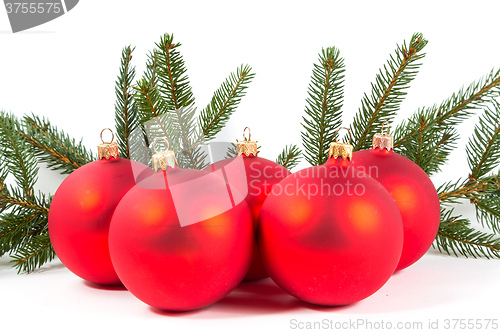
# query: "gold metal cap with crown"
247, 147
338, 149
108, 150
163, 159
383, 140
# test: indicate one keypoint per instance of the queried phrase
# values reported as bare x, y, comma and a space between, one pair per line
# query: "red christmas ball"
179, 241
415, 196
330, 234
254, 178
80, 214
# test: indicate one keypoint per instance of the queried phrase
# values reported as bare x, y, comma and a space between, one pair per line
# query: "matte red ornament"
330, 234
413, 191
81, 210
254, 178
181, 239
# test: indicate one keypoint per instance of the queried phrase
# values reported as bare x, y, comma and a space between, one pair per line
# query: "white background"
65, 70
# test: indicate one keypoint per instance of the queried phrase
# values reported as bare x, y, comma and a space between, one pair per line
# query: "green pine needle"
430, 146
289, 157
126, 114
232, 151
457, 237
388, 91
428, 137
18, 156
223, 104
483, 150
175, 89
150, 105
23, 214
54, 147
488, 211
171, 72
324, 103
34, 253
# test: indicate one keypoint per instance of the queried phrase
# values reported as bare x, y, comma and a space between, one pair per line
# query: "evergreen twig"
483, 150
457, 237
54, 147
289, 157
429, 135
224, 102
175, 90
388, 91
23, 215
34, 254
324, 103
18, 156
126, 114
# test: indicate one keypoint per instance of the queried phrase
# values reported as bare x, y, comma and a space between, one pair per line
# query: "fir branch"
34, 254
388, 91
175, 89
24, 215
18, 227
54, 147
430, 147
150, 104
166, 102
190, 154
459, 106
4, 193
456, 236
289, 157
16, 198
451, 192
468, 189
231, 151
224, 102
172, 77
139, 149
17, 155
432, 129
488, 211
126, 114
483, 150
324, 104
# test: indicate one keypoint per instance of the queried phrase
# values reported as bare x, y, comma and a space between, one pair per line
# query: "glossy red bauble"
254, 178
179, 242
415, 196
329, 234
80, 214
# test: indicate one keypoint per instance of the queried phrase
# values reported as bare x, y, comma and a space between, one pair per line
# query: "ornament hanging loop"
338, 149
249, 134
108, 150
246, 147
382, 129
164, 140
383, 140
348, 130
162, 160
112, 135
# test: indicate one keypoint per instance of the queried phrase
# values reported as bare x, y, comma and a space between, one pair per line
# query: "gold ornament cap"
108, 150
383, 140
338, 149
247, 147
162, 160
